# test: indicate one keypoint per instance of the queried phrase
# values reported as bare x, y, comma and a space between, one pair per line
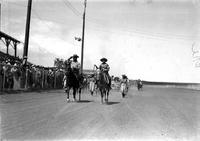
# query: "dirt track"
152, 114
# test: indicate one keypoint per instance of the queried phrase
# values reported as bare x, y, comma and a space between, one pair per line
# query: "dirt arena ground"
154, 113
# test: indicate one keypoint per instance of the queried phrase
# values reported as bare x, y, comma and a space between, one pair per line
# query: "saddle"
76, 73
106, 77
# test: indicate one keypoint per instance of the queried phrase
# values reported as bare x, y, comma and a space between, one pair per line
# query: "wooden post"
42, 78
54, 79
25, 54
7, 45
4, 78
15, 48
0, 16
83, 34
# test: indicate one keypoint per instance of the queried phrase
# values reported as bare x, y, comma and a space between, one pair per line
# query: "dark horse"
103, 86
73, 81
139, 84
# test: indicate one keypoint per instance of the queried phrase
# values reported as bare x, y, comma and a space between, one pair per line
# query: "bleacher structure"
9, 42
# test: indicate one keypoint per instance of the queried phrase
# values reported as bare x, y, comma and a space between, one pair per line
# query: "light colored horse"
124, 87
92, 85
102, 85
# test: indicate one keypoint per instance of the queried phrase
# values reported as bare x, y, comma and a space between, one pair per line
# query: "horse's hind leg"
123, 94
67, 91
107, 93
101, 97
79, 93
74, 94
104, 95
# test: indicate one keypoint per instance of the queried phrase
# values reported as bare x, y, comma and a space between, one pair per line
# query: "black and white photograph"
102, 70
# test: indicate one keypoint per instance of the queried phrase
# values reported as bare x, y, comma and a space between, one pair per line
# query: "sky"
154, 40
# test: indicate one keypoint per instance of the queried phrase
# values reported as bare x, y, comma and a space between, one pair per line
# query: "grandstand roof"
2, 34
4, 55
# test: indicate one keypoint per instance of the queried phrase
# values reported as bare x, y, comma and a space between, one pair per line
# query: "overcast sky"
155, 40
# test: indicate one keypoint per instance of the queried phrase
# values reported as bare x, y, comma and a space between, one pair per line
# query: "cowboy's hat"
75, 56
103, 60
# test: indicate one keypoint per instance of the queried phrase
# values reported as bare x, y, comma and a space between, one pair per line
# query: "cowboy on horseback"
73, 76
104, 68
75, 65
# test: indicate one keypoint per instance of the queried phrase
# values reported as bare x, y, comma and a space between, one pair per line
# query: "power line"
127, 31
137, 31
50, 28
17, 4
77, 12
130, 31
39, 17
149, 34
70, 6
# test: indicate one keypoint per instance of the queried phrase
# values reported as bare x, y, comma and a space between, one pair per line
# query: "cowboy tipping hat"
75, 56
123, 76
103, 59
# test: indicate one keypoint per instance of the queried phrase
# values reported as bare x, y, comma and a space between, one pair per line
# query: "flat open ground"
151, 114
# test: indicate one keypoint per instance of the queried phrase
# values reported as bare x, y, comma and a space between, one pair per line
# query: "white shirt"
75, 65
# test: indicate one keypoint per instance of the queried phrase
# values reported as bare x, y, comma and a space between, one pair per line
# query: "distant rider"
124, 80
124, 84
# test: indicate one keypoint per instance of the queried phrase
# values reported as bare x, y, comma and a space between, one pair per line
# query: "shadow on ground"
112, 103
84, 101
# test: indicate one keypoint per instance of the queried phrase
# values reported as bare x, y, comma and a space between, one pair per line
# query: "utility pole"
25, 54
0, 16
83, 34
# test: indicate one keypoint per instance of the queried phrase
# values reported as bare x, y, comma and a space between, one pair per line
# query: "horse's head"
97, 74
67, 66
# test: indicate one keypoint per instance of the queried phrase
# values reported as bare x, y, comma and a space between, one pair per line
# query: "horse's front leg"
102, 96
79, 93
74, 94
67, 91
96, 90
107, 93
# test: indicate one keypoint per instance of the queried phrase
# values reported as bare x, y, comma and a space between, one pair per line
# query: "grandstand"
4, 57
9, 42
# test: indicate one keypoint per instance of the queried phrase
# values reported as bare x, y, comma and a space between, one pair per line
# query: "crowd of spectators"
14, 76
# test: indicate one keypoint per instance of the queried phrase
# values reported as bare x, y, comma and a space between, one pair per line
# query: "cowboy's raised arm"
69, 58
79, 67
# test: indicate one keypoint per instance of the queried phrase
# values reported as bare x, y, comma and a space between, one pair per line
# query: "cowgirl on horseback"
104, 68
